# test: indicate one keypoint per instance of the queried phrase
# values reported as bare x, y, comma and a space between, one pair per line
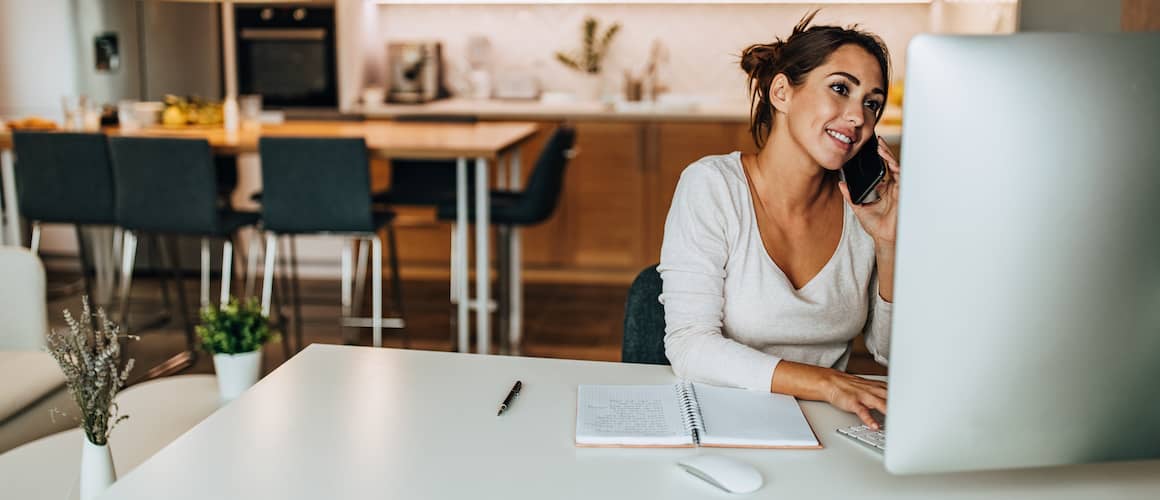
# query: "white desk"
352, 422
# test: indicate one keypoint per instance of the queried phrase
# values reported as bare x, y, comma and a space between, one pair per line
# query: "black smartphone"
863, 172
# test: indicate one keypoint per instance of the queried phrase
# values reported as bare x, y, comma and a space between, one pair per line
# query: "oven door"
287, 54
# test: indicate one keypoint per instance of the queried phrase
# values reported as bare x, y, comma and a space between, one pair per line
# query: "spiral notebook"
688, 414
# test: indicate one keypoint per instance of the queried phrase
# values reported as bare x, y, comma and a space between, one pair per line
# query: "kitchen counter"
496, 109
677, 111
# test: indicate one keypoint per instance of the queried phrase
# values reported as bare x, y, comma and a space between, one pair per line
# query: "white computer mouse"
729, 474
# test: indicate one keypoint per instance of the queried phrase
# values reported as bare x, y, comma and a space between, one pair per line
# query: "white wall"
37, 57
38, 66
1069, 15
703, 40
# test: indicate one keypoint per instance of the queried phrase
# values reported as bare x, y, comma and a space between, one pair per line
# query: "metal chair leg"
516, 292
205, 264
155, 256
252, 262
186, 359
240, 262
34, 244
397, 281
377, 291
227, 271
360, 276
284, 290
268, 273
128, 255
295, 294
82, 253
346, 290
503, 282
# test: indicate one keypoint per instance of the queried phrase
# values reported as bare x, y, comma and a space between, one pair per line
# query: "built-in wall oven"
287, 54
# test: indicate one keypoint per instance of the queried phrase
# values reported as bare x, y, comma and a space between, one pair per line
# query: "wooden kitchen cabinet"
604, 192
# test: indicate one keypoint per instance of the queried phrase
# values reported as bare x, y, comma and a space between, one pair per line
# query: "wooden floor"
561, 321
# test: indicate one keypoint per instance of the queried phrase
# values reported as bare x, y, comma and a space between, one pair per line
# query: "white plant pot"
237, 372
97, 472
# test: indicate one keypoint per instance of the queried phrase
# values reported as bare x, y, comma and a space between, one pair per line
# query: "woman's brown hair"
806, 48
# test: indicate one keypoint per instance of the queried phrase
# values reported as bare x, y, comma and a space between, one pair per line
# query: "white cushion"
28, 376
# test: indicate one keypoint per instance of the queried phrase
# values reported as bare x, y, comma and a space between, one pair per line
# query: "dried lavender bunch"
90, 359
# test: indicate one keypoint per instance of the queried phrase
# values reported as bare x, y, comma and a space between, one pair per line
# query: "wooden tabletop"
384, 138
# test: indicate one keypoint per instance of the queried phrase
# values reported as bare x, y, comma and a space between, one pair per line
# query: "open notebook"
687, 415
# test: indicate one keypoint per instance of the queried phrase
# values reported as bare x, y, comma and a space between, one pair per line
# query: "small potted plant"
234, 334
89, 354
589, 59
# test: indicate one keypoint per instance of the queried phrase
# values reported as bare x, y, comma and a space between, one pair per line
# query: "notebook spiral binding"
690, 410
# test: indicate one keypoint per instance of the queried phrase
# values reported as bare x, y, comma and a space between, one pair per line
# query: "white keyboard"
873, 439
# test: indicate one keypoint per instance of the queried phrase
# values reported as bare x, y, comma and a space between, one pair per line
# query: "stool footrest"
369, 322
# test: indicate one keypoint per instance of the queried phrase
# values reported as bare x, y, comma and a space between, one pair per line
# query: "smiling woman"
769, 270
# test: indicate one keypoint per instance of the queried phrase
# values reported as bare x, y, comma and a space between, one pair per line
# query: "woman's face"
833, 113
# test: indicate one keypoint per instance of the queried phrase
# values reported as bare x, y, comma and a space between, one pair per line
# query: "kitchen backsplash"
703, 41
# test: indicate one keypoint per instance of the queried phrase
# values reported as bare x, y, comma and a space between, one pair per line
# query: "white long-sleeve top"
730, 312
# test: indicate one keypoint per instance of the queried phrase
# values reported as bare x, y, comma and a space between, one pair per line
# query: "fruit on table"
173, 116
190, 111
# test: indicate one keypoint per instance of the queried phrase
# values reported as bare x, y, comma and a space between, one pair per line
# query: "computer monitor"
1026, 324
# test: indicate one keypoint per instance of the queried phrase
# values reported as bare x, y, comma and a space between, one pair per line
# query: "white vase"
97, 472
589, 86
237, 372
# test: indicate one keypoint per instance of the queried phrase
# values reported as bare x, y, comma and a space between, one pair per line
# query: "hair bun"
760, 56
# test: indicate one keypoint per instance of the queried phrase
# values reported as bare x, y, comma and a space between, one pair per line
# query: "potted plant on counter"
589, 60
234, 334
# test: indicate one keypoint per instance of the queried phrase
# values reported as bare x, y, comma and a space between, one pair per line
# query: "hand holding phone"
863, 173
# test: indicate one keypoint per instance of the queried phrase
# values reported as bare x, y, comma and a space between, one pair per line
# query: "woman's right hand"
847, 392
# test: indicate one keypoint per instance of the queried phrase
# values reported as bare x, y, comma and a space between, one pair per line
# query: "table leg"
482, 264
460, 261
515, 267
11, 212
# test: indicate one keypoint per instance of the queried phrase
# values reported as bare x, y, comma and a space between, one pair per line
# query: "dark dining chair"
321, 186
509, 210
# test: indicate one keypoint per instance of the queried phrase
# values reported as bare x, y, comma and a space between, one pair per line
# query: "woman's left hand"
880, 218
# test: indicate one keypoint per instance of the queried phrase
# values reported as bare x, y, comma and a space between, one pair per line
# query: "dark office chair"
423, 182
169, 186
644, 321
511, 209
68, 178
64, 178
322, 186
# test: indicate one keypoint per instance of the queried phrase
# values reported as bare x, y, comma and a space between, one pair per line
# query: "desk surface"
354, 422
384, 138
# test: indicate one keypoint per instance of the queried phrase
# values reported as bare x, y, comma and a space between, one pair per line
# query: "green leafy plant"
594, 48
234, 328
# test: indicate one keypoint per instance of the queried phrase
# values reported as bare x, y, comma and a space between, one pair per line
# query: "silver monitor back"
1027, 317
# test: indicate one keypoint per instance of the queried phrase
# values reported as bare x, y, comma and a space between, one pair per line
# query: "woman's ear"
780, 93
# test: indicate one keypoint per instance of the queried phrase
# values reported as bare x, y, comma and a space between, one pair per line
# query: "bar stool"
169, 186
513, 209
68, 178
322, 186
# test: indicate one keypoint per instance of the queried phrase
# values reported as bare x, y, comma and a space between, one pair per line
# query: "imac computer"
1026, 326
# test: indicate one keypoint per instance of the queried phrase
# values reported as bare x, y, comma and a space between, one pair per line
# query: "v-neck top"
731, 313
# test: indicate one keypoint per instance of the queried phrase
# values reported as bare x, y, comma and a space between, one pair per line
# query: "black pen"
511, 395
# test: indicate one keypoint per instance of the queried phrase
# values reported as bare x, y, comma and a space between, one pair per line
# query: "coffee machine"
415, 71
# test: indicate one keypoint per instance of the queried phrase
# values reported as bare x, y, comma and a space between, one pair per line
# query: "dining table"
484, 143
